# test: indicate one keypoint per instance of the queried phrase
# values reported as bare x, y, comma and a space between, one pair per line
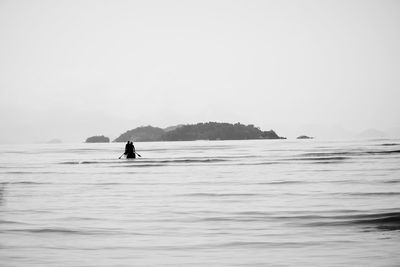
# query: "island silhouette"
199, 131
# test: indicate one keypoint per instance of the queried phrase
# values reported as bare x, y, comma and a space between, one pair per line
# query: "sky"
73, 69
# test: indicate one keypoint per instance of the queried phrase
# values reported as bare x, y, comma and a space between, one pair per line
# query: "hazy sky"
72, 69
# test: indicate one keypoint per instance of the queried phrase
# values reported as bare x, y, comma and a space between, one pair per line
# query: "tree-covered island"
199, 131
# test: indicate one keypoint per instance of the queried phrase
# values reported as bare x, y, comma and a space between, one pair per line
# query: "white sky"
72, 69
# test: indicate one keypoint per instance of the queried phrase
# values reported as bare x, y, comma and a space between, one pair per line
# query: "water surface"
203, 203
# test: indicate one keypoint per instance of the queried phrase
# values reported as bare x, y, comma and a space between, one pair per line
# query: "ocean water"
203, 203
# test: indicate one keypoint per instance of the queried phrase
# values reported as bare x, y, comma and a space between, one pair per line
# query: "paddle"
121, 156
138, 154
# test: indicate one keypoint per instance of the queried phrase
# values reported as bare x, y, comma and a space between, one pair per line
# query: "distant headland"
199, 131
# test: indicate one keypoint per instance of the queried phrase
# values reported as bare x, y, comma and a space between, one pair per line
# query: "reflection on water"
233, 203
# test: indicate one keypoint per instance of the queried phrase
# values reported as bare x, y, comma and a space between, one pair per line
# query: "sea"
201, 203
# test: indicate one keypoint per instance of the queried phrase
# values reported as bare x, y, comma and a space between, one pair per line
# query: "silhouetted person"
131, 151
126, 148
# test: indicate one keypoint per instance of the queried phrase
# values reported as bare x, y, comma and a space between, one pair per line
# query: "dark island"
199, 131
304, 137
98, 139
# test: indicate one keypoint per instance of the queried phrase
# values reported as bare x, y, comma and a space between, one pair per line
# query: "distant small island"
54, 141
304, 137
98, 139
199, 131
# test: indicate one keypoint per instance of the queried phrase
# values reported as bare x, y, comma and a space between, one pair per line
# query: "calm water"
205, 203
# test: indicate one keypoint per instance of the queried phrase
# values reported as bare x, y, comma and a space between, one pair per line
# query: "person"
130, 153
126, 148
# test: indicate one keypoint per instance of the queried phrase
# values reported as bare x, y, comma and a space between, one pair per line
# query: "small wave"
392, 181
330, 154
261, 163
266, 244
228, 219
385, 221
346, 154
69, 162
284, 182
381, 221
79, 162
27, 182
27, 172
142, 165
388, 152
375, 194
389, 144
11, 222
321, 158
56, 231
192, 160
260, 217
222, 194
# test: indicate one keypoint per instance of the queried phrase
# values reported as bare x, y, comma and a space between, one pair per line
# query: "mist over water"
203, 203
